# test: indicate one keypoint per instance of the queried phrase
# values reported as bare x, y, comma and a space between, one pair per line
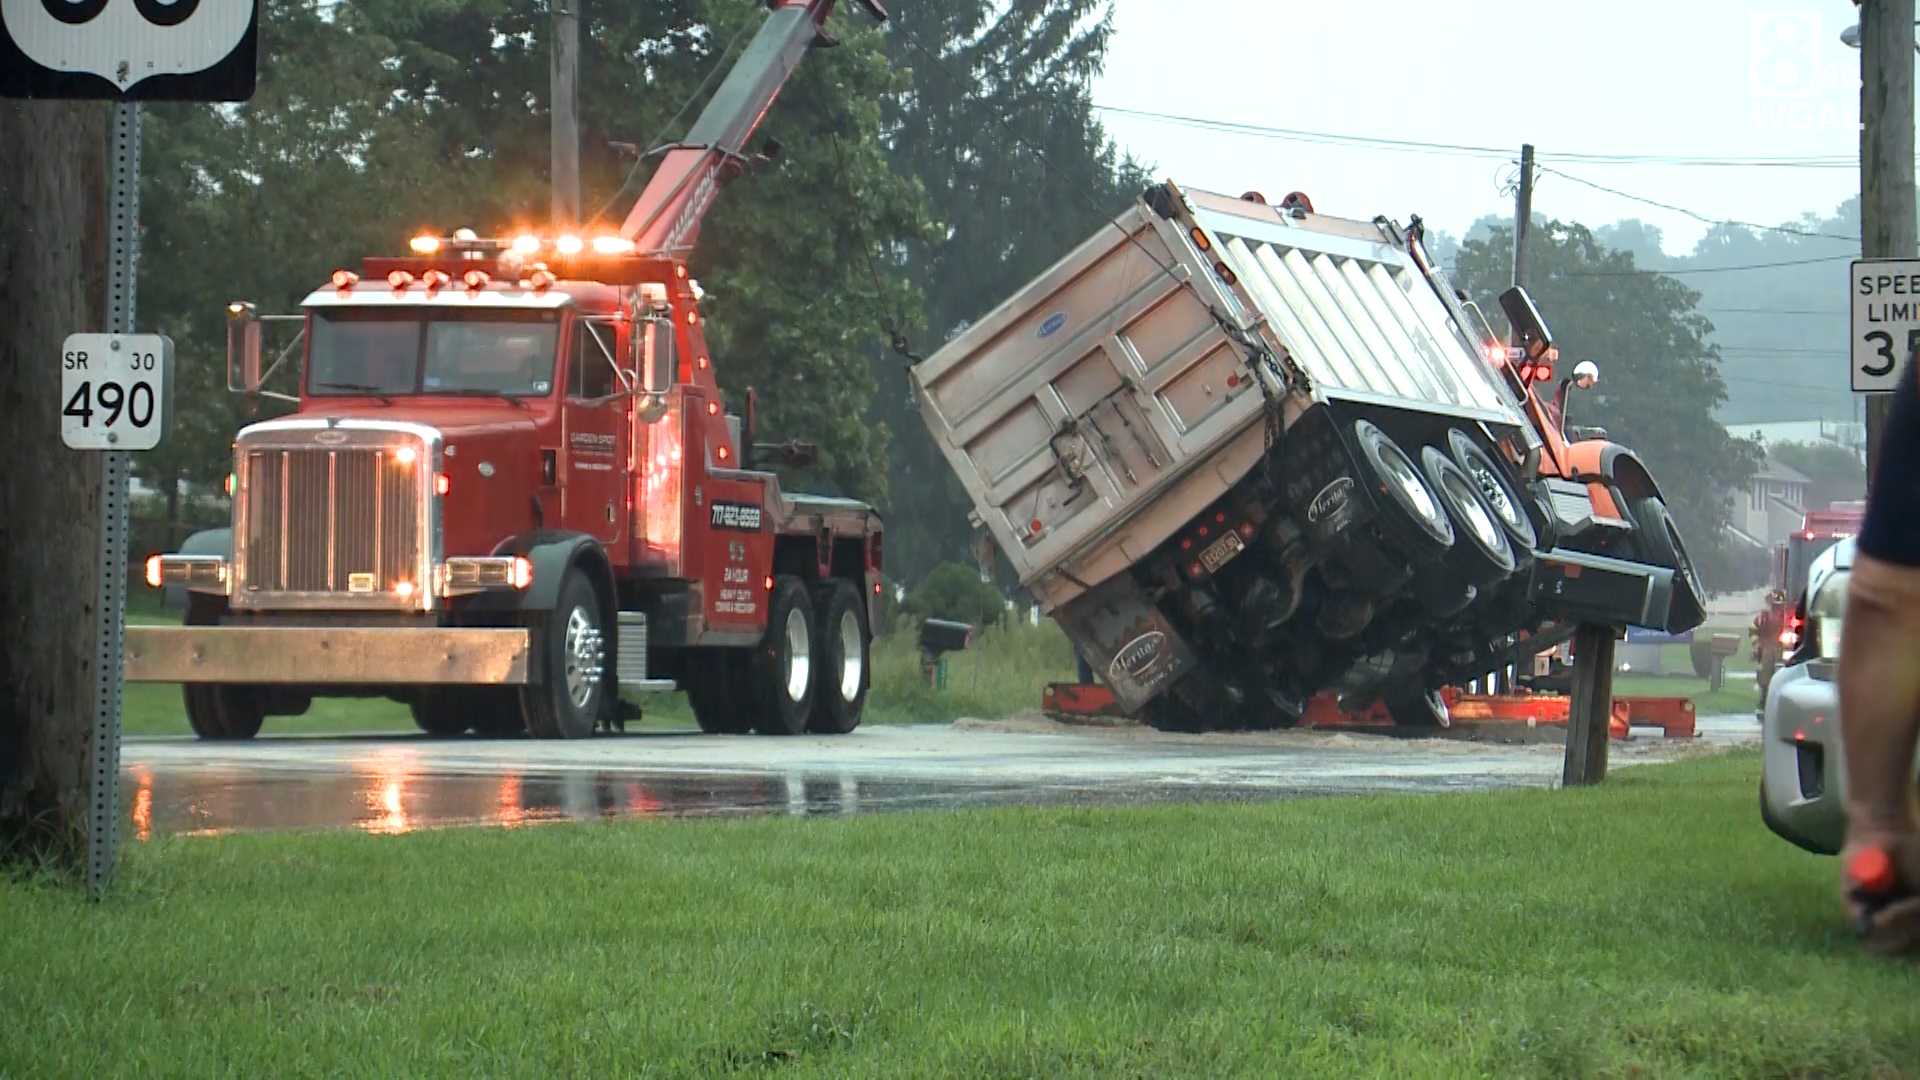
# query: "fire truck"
509, 488
1774, 631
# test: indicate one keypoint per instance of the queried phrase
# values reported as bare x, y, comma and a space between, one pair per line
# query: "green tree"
996, 124
1660, 378
1837, 473
953, 591
383, 117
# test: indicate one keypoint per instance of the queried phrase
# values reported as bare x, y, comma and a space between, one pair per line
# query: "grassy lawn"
1651, 927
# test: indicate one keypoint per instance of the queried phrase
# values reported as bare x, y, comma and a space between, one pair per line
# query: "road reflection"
391, 795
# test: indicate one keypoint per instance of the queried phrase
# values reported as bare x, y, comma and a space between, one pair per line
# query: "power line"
1469, 150
1709, 269
1694, 214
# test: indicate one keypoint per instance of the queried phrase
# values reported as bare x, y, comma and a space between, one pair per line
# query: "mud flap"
1131, 646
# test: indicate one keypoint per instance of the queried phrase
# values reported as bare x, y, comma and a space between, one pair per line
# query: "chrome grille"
331, 525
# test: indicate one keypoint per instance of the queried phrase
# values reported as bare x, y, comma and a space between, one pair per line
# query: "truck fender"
1616, 466
205, 542
553, 553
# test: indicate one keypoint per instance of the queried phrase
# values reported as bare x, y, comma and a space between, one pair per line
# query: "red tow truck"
1774, 632
509, 488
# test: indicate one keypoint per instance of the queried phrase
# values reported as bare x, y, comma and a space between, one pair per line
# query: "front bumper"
305, 655
1574, 586
1803, 780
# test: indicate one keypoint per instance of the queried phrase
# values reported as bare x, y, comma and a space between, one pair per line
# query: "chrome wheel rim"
852, 664
1410, 484
1494, 491
1472, 510
585, 657
799, 655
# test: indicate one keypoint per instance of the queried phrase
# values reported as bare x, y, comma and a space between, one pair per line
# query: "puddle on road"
395, 800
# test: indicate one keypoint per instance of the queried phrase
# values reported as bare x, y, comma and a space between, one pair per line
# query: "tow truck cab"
475, 441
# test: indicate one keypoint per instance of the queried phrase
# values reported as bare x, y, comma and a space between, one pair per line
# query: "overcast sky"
1667, 79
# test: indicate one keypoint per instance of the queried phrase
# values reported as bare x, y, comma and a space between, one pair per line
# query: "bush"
953, 591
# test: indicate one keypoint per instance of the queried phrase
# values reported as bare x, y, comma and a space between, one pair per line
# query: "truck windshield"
466, 352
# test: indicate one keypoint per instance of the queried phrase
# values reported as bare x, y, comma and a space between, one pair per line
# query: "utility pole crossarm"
667, 217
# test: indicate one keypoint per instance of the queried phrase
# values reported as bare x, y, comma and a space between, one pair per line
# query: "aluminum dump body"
1101, 407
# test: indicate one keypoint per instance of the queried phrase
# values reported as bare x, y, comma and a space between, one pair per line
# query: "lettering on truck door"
596, 441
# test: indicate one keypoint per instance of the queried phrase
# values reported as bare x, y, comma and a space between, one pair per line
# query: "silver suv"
1803, 785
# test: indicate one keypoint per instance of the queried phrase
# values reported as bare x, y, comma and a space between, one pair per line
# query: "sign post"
1885, 302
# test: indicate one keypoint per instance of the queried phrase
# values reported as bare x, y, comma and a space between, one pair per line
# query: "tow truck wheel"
1481, 553
566, 704
1422, 523
217, 711
781, 672
840, 688
716, 679
443, 711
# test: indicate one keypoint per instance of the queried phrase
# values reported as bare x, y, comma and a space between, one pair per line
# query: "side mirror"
1586, 374
655, 363
243, 348
1529, 328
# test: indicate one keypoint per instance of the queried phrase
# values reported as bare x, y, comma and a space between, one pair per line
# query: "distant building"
1773, 504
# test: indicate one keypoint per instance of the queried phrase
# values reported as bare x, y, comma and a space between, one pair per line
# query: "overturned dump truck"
1245, 453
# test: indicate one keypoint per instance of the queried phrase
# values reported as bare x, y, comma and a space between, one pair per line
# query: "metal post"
1523, 215
1886, 157
565, 119
103, 749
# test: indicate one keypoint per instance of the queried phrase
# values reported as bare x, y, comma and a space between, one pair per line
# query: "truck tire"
1418, 516
1481, 553
716, 682
567, 703
442, 711
1509, 507
780, 675
845, 671
1658, 541
496, 712
218, 711
1189, 705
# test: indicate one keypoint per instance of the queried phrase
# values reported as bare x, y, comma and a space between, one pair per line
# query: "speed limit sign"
1886, 321
116, 391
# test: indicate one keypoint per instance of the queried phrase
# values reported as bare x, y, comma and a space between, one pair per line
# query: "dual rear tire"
810, 673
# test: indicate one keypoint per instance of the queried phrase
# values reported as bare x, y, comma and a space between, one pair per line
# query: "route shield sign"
116, 391
129, 50
1885, 297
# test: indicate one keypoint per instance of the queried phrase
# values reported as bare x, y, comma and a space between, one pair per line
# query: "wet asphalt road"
399, 783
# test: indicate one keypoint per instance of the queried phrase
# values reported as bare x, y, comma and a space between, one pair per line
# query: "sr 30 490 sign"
115, 391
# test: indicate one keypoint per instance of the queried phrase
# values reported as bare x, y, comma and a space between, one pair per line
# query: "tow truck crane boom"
666, 219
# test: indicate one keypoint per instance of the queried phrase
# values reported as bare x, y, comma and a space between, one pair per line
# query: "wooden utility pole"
565, 81
53, 232
1887, 229
1523, 215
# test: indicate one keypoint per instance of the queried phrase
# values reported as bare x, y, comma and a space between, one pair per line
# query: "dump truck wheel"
781, 673
1508, 506
216, 711
1481, 553
567, 703
844, 672
1404, 494
1188, 705
716, 689
443, 711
